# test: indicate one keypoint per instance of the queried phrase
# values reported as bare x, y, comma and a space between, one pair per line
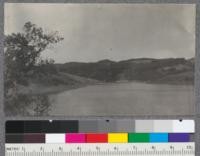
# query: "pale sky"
93, 32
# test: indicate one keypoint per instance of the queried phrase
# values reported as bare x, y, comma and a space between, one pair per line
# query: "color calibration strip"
101, 126
99, 138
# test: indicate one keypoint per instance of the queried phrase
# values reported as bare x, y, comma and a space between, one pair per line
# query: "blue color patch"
158, 137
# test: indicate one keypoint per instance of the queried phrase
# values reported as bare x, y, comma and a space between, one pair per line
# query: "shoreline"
36, 89
47, 90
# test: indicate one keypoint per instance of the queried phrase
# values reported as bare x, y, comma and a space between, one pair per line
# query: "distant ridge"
59, 77
178, 70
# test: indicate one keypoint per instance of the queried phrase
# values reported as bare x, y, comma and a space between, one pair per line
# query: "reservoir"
124, 99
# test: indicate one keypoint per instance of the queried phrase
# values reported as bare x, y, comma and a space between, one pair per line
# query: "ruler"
102, 149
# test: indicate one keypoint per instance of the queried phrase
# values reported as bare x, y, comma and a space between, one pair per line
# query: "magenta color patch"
75, 138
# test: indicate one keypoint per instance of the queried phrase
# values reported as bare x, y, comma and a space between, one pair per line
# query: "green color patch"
138, 137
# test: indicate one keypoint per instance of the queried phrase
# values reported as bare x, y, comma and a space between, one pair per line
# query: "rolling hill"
59, 77
170, 70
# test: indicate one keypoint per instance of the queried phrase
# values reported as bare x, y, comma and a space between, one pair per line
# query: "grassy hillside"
52, 81
171, 70
59, 77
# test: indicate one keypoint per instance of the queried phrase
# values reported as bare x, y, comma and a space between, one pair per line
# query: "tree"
22, 55
23, 50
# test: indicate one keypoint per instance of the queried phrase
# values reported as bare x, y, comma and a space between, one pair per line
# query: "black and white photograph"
64, 59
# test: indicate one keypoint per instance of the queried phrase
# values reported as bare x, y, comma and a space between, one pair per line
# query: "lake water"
122, 99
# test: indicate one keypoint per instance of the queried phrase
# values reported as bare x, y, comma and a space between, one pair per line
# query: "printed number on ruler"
137, 149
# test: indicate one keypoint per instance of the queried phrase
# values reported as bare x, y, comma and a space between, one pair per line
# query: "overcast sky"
94, 32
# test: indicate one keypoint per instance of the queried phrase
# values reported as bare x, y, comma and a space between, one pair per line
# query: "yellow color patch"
117, 137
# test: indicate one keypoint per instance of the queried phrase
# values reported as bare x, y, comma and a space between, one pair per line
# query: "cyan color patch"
158, 137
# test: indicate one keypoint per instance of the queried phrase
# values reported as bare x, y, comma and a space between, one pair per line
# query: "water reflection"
132, 98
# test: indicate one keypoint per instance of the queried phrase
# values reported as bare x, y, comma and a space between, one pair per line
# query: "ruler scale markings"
142, 149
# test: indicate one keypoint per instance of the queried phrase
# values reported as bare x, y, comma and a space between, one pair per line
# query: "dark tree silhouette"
22, 50
22, 55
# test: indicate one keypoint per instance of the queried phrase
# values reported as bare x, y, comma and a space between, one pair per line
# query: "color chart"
74, 131
114, 125
100, 138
